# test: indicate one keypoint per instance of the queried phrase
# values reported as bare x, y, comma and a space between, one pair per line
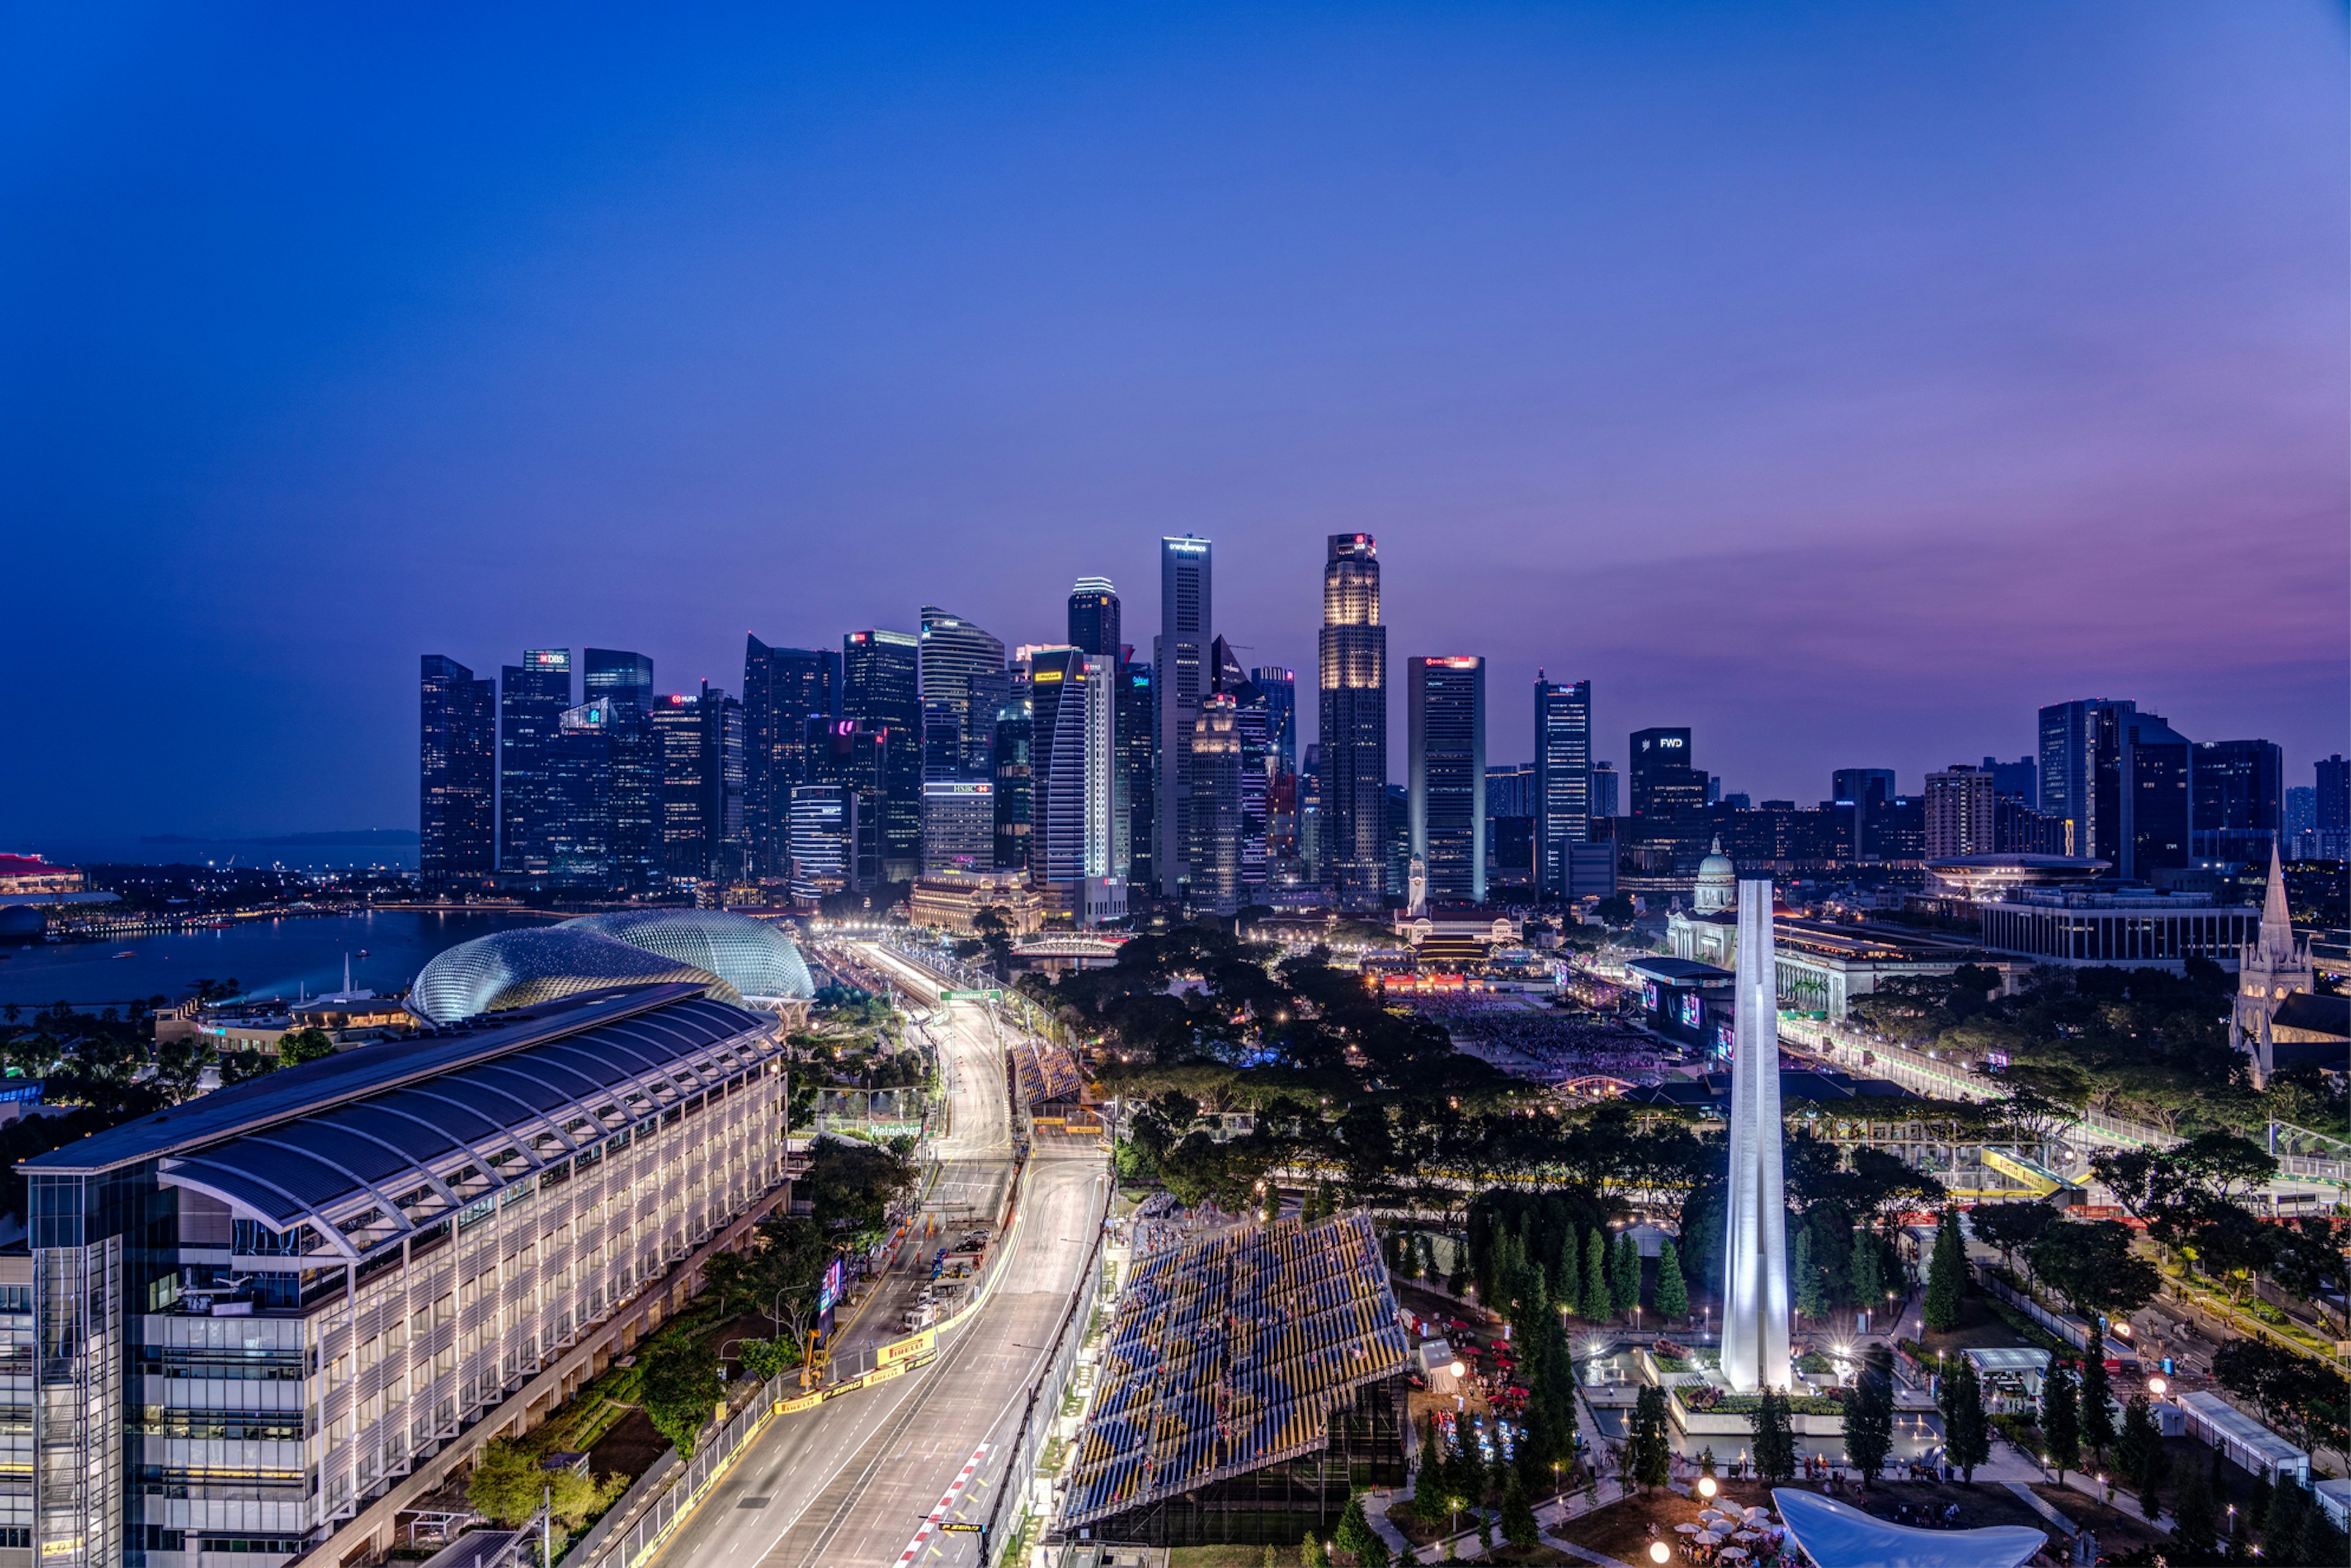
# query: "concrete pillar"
1755, 1306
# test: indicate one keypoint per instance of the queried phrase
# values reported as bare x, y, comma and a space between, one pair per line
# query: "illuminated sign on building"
1693, 1011
829, 1292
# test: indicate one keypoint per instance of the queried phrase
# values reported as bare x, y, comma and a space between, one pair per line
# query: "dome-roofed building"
758, 961
1718, 882
516, 968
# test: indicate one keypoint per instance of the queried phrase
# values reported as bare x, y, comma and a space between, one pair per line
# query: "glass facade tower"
532, 696
1354, 682
1094, 619
1446, 792
457, 768
1562, 803
881, 689
1186, 619
783, 688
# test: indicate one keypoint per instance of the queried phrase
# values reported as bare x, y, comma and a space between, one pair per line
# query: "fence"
2074, 1330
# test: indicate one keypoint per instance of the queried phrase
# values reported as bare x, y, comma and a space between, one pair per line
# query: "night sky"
1842, 382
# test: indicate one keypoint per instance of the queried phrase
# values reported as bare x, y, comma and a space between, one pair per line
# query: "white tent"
1835, 1536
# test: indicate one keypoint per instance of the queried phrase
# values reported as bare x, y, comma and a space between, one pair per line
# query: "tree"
2195, 1523
1356, 1535
2139, 1453
1812, 1299
1775, 1438
1519, 1526
1947, 1273
1673, 1292
1967, 1425
1309, 1553
506, 1483
679, 1386
301, 1045
765, 1360
2010, 1225
1653, 1454
1869, 1270
1869, 1414
1624, 1273
2061, 1418
2093, 1266
1595, 1293
2097, 1407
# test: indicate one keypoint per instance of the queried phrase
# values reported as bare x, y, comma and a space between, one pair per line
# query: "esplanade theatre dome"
516, 968
734, 957
758, 961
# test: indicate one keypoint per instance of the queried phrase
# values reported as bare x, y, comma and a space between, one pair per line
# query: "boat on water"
126, 955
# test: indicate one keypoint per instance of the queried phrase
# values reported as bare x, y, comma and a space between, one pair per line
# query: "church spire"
2277, 924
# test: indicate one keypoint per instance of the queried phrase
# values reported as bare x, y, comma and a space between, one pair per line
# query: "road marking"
938, 1514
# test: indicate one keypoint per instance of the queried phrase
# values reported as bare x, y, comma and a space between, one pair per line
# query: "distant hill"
383, 836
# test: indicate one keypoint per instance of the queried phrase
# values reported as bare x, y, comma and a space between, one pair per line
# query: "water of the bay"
265, 957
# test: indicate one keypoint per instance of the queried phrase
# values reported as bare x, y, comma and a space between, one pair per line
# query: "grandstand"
1048, 1081
1249, 1381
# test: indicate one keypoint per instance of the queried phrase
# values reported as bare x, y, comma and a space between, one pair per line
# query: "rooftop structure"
2252, 1446
732, 957
1835, 1535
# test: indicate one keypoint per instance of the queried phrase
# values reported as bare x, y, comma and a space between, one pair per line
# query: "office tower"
1958, 812
1094, 619
821, 835
963, 675
1252, 721
2301, 814
579, 785
1563, 807
2332, 804
1138, 768
1447, 716
2018, 829
1280, 689
1352, 672
859, 756
1755, 1302
958, 825
623, 682
701, 786
943, 731
2137, 768
1310, 815
457, 749
1867, 795
1186, 615
1015, 778
1215, 882
1078, 841
2019, 780
2236, 791
532, 696
1607, 797
1509, 789
1661, 781
1395, 816
880, 687
783, 688
2068, 733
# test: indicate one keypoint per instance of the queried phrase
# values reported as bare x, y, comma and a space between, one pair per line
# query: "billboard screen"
829, 1292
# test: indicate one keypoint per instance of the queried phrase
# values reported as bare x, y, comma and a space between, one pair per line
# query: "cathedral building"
2280, 1018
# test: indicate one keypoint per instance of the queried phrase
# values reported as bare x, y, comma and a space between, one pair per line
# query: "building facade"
1138, 769
1960, 819
457, 829
1447, 716
958, 826
532, 697
2069, 739
1180, 679
962, 676
823, 839
1094, 619
1563, 807
620, 687
2238, 799
1215, 885
1351, 787
266, 1306
880, 687
783, 689
1077, 836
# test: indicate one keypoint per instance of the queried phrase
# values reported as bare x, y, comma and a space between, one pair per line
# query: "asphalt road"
847, 1484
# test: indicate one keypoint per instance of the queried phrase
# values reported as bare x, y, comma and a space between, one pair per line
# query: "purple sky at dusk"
1842, 381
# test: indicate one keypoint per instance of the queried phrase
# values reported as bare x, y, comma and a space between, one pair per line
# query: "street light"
1658, 1551
2155, 1385
1707, 1489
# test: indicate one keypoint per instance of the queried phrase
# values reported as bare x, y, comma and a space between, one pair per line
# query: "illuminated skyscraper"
2069, 736
962, 676
1563, 804
783, 688
1187, 620
1014, 777
701, 785
458, 748
1447, 793
532, 696
1078, 841
1094, 619
1352, 670
1138, 769
880, 680
1280, 689
622, 685
1216, 885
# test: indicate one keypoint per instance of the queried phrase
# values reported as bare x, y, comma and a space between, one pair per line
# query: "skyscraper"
1015, 769
1562, 805
2237, 799
620, 685
1078, 841
1094, 619
1186, 617
958, 825
457, 751
856, 756
2020, 779
1959, 820
1215, 883
532, 696
783, 688
1446, 714
962, 675
1280, 689
2334, 799
881, 682
1253, 722
1662, 781
1138, 768
1607, 796
1352, 678
2137, 768
701, 785
2068, 735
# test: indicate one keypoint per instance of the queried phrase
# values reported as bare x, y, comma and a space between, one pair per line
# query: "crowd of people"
1543, 1040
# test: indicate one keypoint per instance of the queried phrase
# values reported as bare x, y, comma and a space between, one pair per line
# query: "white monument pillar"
1755, 1288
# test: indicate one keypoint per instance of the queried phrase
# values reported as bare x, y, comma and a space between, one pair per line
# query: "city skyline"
1823, 485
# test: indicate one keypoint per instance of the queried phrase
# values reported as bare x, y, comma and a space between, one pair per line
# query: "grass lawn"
2119, 1526
1980, 1328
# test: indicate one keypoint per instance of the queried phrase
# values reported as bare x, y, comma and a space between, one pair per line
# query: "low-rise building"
955, 902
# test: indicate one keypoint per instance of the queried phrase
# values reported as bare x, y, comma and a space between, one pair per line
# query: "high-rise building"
2238, 799
2139, 803
962, 676
2300, 812
1094, 619
2332, 802
1252, 720
1563, 807
1353, 676
783, 688
1960, 819
701, 786
1396, 813
532, 696
1138, 769
1015, 778
578, 846
821, 830
958, 826
2019, 780
2068, 735
881, 685
1662, 781
859, 756
1446, 714
1280, 689
1310, 815
1186, 622
1607, 790
621, 684
457, 829
1868, 793
1077, 843
1509, 789
1215, 883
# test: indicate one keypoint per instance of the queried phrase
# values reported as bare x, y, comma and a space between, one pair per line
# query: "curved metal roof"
752, 955
420, 1149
